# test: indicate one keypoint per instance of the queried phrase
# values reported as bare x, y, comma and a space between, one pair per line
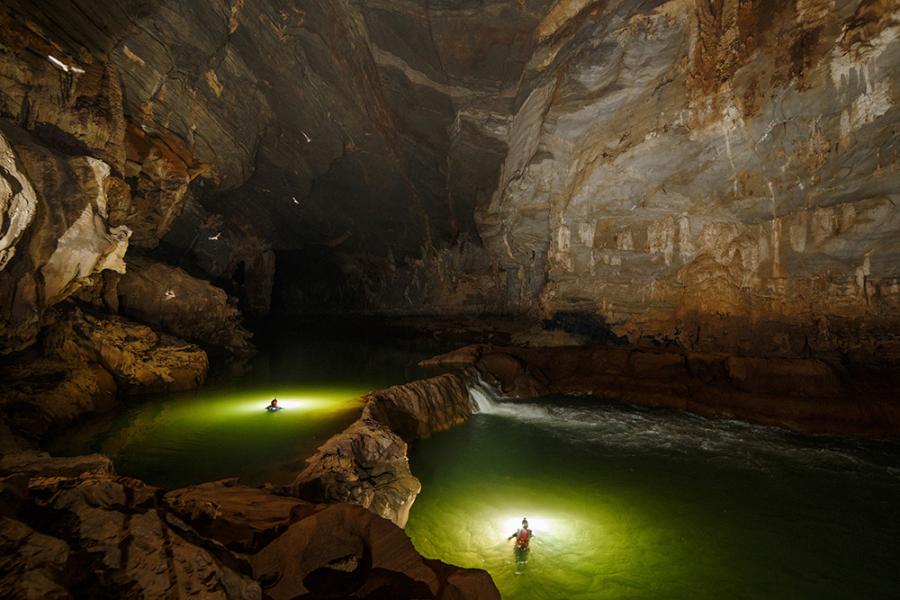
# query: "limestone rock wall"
723, 174
718, 174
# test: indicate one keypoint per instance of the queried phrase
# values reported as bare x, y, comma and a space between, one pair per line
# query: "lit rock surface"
720, 174
139, 358
367, 463
72, 240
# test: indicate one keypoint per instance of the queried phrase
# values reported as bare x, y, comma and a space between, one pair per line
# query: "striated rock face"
722, 174
717, 174
367, 463
62, 204
171, 300
70, 528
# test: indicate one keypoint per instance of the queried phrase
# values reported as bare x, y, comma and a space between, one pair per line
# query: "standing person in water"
523, 537
273, 406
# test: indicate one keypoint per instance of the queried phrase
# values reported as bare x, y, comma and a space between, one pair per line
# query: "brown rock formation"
169, 299
86, 361
58, 210
367, 463
140, 359
71, 528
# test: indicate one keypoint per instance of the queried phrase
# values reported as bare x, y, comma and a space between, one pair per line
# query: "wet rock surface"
85, 364
75, 529
367, 463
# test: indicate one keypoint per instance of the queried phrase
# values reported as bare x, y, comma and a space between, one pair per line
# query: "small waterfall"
486, 400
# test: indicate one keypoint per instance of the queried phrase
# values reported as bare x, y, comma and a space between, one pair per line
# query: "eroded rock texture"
723, 173
71, 528
367, 463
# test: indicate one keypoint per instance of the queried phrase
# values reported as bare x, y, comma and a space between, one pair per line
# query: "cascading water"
488, 401
637, 503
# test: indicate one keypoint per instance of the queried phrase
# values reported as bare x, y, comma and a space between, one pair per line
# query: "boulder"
171, 300
346, 551
32, 564
121, 544
83, 532
242, 518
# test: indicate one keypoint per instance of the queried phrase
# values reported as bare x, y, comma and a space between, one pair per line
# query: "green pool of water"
653, 504
223, 430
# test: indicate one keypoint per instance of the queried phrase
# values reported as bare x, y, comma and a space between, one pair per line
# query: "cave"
531, 299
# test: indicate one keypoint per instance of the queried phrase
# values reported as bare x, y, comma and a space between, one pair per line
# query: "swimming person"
523, 536
273, 406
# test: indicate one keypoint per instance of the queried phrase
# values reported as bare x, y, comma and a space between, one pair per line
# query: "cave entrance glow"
654, 504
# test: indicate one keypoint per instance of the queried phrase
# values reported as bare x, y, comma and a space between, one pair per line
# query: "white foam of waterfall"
674, 433
488, 401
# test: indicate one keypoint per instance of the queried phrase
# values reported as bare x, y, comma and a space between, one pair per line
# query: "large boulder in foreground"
345, 551
71, 528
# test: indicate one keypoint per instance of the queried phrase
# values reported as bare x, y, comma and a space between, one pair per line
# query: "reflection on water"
628, 503
224, 430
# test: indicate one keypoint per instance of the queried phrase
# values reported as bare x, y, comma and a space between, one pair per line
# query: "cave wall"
721, 175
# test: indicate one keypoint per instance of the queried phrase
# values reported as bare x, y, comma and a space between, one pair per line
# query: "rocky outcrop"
347, 551
367, 463
169, 299
813, 395
58, 210
85, 363
140, 359
72, 528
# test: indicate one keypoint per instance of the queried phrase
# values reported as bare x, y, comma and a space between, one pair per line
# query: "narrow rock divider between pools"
367, 463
